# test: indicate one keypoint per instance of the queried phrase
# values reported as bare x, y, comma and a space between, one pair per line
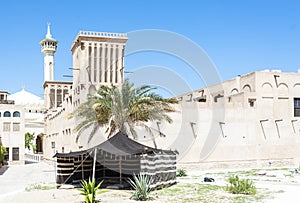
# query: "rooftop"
25, 98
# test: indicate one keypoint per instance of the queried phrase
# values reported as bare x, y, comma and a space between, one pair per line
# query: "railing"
7, 102
103, 34
34, 157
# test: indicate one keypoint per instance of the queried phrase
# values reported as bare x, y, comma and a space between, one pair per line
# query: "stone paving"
15, 178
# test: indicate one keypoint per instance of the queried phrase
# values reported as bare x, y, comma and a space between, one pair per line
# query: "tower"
49, 45
98, 59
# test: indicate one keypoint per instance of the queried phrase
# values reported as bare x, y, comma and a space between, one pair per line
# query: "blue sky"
238, 36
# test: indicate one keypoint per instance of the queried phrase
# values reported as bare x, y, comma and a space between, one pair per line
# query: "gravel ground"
16, 179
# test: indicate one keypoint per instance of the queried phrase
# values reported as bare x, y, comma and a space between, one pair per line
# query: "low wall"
266, 163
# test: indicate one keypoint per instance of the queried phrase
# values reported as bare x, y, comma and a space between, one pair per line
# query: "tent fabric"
118, 158
72, 154
120, 145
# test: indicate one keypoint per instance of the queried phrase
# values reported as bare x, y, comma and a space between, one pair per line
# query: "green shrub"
181, 172
240, 186
2, 153
39, 186
141, 185
89, 190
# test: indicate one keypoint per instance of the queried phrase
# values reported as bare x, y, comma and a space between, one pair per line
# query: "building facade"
98, 59
252, 118
12, 129
33, 115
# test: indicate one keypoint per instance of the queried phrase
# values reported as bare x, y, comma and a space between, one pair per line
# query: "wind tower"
98, 59
49, 46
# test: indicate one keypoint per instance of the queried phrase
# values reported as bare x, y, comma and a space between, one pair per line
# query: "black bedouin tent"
117, 159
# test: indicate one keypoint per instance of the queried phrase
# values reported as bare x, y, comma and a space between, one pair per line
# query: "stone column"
62, 93
113, 65
92, 65
102, 68
119, 68
98, 64
108, 68
85, 68
47, 97
55, 96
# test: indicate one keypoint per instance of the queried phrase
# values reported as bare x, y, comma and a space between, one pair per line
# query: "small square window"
6, 127
16, 127
252, 102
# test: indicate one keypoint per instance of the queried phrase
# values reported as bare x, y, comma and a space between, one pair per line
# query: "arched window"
6, 114
247, 88
16, 114
234, 91
267, 90
283, 89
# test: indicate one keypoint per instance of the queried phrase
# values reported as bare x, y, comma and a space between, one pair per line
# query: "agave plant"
89, 190
141, 185
240, 186
181, 172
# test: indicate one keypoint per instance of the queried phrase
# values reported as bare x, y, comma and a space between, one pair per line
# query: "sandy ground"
15, 179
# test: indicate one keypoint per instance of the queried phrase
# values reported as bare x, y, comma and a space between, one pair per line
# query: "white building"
12, 129
250, 120
33, 114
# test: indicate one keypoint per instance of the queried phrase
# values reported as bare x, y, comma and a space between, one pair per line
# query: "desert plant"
240, 186
2, 153
33, 147
181, 172
89, 190
29, 137
141, 185
39, 186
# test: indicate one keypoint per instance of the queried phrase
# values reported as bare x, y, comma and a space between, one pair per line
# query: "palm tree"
121, 109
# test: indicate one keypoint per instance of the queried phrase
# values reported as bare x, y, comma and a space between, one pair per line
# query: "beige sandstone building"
251, 119
98, 59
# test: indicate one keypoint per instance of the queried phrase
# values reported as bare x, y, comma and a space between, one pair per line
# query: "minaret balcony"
49, 48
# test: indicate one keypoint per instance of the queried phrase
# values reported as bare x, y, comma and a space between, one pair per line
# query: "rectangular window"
6, 127
15, 154
16, 127
296, 107
52, 145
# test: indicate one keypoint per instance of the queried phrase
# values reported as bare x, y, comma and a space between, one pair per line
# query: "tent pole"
94, 165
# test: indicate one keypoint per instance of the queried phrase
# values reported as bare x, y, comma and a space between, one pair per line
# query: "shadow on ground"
29, 162
3, 169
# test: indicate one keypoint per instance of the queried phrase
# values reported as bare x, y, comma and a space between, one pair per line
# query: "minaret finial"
48, 35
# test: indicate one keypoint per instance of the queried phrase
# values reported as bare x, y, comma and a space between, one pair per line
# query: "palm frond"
121, 108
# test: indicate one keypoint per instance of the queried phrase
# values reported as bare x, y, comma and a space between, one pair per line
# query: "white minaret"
49, 45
